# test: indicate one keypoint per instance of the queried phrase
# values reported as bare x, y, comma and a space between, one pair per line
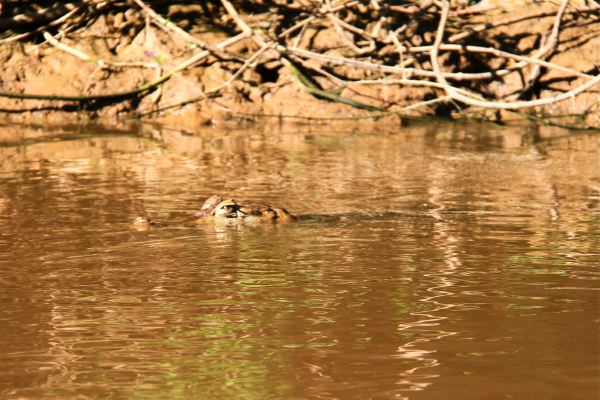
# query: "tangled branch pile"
432, 56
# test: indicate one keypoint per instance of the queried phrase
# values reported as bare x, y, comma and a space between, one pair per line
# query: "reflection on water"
443, 261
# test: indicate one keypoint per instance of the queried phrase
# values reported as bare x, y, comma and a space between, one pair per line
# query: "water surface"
440, 261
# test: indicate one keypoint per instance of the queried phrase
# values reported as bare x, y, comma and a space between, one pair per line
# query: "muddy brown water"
440, 261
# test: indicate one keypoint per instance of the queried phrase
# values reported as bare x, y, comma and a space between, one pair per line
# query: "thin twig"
236, 17
341, 25
512, 20
244, 27
424, 103
164, 24
545, 50
403, 82
300, 25
502, 54
85, 57
130, 93
453, 93
248, 63
371, 66
57, 21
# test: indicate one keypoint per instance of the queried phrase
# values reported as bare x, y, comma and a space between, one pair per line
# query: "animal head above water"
209, 206
229, 208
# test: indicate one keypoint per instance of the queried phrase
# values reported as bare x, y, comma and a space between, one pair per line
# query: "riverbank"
195, 65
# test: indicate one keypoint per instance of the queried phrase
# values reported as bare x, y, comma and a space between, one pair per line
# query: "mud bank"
113, 59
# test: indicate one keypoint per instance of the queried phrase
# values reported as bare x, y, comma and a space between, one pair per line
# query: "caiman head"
209, 206
227, 209
218, 207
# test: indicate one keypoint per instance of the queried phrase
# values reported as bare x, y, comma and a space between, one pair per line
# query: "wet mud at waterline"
442, 261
